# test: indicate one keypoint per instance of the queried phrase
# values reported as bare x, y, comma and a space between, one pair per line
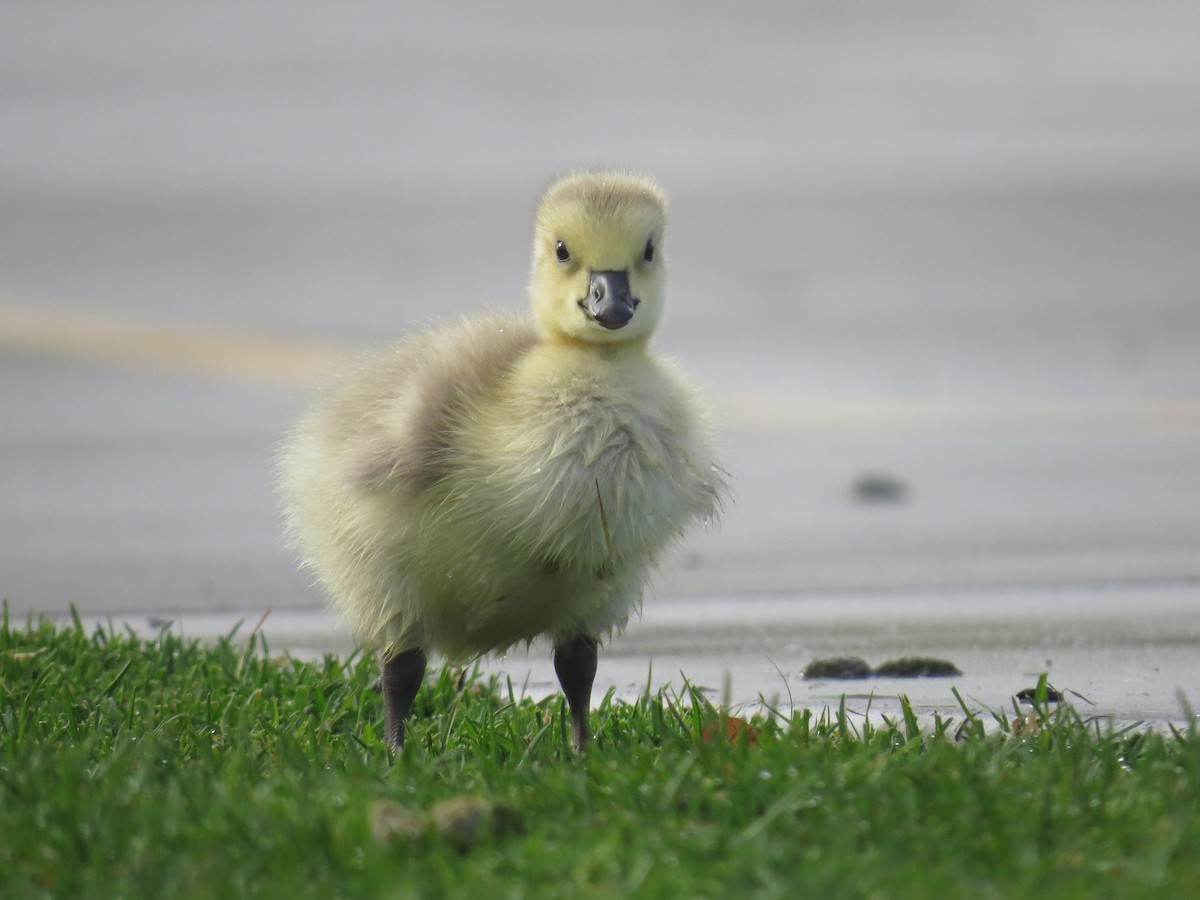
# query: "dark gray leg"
402, 676
575, 663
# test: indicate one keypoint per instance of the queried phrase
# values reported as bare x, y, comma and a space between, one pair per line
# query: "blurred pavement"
938, 265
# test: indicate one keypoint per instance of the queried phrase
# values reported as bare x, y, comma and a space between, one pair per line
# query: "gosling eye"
648, 253
561, 253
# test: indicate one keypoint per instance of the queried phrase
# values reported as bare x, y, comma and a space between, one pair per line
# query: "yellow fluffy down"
500, 479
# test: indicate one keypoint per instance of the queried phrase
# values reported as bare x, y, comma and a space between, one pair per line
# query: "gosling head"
598, 274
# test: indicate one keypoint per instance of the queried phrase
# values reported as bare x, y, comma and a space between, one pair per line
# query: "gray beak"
609, 301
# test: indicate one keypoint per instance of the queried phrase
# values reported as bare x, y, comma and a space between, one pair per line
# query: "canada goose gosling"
497, 480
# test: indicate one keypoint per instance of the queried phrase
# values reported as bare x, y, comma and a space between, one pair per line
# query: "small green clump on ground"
840, 667
917, 667
143, 768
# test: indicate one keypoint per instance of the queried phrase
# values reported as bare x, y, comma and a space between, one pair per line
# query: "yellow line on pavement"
290, 362
124, 342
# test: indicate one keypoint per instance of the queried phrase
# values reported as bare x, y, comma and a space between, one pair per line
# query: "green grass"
143, 768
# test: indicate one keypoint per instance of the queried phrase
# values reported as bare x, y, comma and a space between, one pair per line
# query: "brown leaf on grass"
465, 821
736, 730
29, 654
391, 821
460, 821
1026, 725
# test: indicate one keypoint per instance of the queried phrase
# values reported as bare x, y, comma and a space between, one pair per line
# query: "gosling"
498, 480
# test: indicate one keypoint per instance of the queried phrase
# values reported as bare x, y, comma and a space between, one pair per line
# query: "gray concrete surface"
952, 245
750, 650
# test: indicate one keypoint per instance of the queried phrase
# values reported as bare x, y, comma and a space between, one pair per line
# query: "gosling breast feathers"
501, 479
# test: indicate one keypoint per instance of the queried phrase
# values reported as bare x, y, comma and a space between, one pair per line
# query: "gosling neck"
612, 351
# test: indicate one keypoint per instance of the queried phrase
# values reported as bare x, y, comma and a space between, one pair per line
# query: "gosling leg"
402, 676
575, 664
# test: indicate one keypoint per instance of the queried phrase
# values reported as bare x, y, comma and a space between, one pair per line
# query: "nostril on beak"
608, 300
